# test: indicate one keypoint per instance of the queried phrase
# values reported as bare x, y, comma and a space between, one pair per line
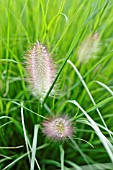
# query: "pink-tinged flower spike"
89, 48
59, 128
40, 69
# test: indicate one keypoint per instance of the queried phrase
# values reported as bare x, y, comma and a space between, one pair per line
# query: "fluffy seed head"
58, 128
40, 70
88, 48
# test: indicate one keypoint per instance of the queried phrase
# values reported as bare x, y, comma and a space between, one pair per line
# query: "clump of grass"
62, 26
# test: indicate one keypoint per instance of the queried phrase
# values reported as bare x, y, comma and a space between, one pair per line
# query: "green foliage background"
60, 25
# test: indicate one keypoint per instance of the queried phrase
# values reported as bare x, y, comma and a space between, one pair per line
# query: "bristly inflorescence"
40, 70
89, 48
58, 128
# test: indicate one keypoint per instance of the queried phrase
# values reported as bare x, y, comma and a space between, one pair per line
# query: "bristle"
89, 48
59, 128
40, 70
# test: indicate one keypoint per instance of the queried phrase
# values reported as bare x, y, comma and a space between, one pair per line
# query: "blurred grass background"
60, 25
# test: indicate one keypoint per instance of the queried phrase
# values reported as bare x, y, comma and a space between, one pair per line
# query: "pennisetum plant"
41, 74
58, 128
89, 48
40, 70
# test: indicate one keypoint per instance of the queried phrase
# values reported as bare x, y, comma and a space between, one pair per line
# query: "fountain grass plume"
40, 70
89, 48
58, 128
